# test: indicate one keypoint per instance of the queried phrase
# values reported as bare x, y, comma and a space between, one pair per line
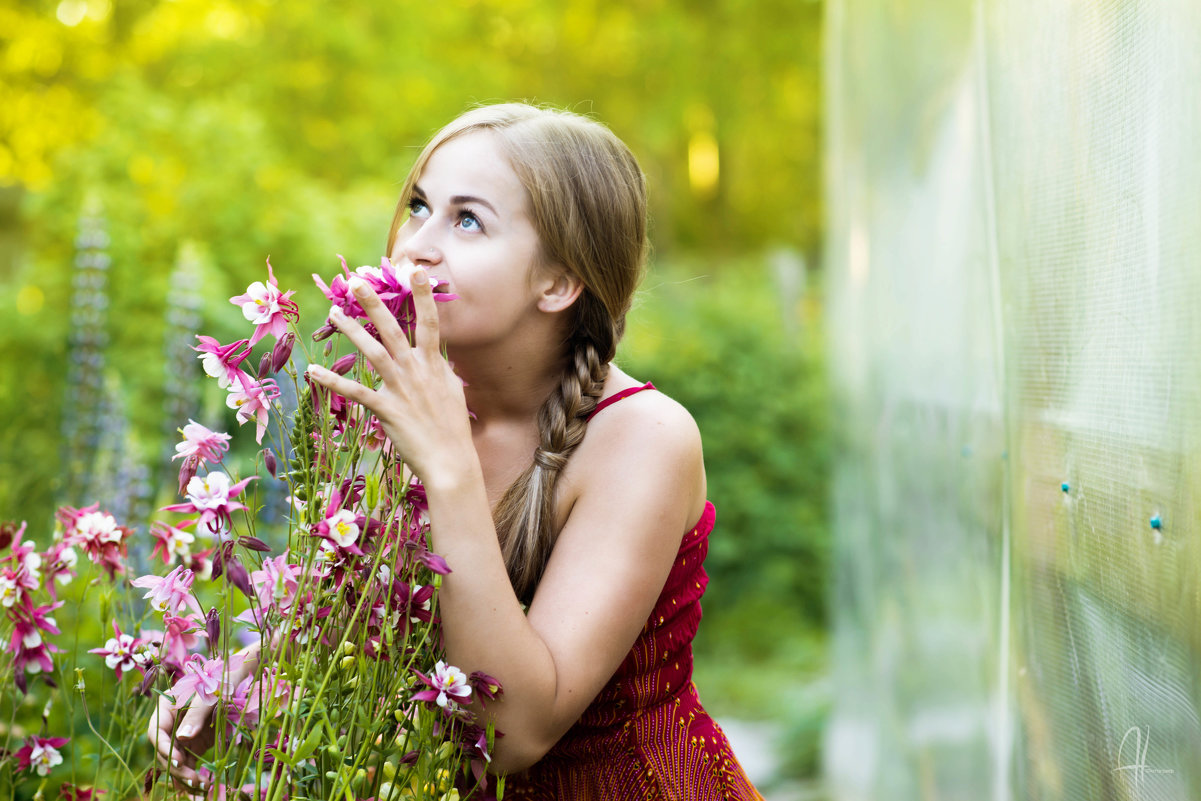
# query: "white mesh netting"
1014, 284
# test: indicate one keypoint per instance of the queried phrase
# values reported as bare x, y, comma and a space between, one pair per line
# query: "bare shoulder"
644, 441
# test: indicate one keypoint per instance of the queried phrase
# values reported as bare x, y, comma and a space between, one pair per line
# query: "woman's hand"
179, 744
420, 402
194, 736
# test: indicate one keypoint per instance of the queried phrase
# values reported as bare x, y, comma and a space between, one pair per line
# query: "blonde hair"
588, 203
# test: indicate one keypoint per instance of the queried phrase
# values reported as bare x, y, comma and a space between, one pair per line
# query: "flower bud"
371, 492
186, 471
343, 365
347, 662
269, 461
282, 351
347, 648
359, 779
212, 628
264, 366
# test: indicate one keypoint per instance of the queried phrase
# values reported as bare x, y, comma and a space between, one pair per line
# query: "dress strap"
616, 396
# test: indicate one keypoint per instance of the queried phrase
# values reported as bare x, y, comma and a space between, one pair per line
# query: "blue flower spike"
1156, 522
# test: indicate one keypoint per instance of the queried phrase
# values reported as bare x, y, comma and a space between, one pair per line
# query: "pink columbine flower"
267, 307
212, 497
221, 361
277, 582
252, 399
206, 679
180, 636
40, 754
171, 593
32, 654
10, 591
59, 561
172, 542
98, 533
392, 287
119, 652
342, 527
201, 442
448, 687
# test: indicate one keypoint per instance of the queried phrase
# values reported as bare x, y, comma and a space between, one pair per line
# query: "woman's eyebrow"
460, 200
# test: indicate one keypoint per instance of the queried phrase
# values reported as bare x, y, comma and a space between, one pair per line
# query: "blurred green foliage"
234, 131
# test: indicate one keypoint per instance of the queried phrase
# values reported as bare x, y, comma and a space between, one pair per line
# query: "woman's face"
469, 225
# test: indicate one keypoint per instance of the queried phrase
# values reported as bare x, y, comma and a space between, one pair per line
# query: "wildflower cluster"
320, 654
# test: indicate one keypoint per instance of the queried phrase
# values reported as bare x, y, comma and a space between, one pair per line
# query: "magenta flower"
267, 307
11, 591
276, 584
221, 361
59, 562
392, 287
252, 399
448, 687
32, 654
181, 636
40, 754
172, 542
212, 497
342, 527
202, 443
207, 679
120, 652
98, 534
171, 593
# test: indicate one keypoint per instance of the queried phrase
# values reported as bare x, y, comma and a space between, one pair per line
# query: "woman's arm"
638, 484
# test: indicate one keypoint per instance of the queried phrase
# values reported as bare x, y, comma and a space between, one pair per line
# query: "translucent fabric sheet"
1014, 284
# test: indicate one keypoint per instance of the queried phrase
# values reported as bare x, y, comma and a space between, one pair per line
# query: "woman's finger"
381, 358
426, 334
390, 332
351, 390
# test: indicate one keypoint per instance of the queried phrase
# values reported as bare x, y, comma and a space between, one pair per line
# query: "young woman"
570, 502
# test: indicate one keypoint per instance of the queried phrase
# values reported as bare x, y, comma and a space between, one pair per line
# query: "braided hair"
588, 200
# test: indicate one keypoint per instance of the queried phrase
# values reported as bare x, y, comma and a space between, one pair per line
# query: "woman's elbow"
514, 753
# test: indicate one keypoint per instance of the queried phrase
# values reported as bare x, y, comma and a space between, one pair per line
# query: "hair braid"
525, 516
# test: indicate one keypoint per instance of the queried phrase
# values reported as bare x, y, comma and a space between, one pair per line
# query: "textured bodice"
646, 735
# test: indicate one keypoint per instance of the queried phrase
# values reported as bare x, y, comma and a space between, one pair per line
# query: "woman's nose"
420, 248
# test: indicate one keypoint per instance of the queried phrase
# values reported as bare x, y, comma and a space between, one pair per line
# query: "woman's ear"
559, 289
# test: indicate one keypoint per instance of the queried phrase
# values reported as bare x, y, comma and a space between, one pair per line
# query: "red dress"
646, 735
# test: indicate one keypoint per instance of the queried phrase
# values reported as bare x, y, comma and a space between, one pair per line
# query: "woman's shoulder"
644, 436
634, 409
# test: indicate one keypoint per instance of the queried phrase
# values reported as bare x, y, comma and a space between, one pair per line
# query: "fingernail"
335, 313
175, 763
313, 369
420, 277
357, 285
187, 731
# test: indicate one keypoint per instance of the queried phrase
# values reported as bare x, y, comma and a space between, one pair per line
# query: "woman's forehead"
472, 164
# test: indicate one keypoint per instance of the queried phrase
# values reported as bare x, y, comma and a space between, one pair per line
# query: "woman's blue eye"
469, 222
417, 208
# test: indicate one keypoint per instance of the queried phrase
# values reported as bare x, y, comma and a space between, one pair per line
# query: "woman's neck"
506, 386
